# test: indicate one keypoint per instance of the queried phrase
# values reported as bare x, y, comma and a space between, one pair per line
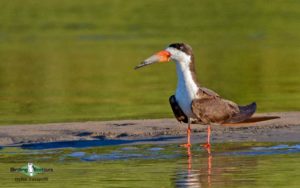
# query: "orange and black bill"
162, 56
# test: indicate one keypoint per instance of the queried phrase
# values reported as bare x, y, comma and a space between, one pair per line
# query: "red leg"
207, 145
189, 154
209, 166
188, 144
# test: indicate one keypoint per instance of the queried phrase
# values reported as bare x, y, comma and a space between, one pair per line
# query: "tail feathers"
245, 113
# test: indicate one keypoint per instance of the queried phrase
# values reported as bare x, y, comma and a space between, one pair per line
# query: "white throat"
187, 88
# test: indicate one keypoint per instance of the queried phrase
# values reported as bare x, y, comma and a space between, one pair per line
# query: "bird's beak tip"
140, 65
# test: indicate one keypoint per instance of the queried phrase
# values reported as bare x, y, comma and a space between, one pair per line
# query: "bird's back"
209, 107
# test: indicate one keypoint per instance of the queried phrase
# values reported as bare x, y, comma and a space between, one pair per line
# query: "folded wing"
214, 109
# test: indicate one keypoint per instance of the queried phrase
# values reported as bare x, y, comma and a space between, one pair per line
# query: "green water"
228, 165
72, 60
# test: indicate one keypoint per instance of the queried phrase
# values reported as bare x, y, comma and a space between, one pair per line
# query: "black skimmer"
193, 102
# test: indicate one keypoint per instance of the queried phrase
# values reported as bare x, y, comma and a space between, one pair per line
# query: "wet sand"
264, 127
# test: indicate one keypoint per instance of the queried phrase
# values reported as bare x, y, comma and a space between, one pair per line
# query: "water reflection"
234, 166
193, 177
226, 165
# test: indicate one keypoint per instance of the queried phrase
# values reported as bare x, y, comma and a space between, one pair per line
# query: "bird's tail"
245, 113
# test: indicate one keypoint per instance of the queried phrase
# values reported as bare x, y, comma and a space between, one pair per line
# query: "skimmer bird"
192, 101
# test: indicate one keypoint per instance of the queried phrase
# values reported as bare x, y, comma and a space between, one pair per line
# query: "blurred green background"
72, 60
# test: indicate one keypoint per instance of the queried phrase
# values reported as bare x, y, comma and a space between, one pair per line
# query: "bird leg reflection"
209, 164
189, 154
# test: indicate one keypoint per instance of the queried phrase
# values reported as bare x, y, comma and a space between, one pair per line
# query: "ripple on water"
111, 156
271, 150
77, 154
281, 146
129, 148
155, 149
125, 153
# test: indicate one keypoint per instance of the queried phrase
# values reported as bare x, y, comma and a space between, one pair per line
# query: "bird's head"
178, 52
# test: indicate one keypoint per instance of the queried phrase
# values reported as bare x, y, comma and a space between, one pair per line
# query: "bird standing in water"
193, 102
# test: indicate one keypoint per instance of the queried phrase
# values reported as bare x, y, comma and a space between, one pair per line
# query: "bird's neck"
187, 81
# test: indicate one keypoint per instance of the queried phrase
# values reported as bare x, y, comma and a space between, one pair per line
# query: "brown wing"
214, 109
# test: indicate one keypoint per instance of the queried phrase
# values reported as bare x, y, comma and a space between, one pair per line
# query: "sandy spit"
264, 127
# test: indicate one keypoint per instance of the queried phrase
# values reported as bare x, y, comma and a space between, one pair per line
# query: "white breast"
186, 88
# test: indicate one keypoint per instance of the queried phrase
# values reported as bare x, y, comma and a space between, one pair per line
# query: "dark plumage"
178, 113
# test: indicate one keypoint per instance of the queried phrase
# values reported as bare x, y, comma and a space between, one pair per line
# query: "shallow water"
73, 61
226, 165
